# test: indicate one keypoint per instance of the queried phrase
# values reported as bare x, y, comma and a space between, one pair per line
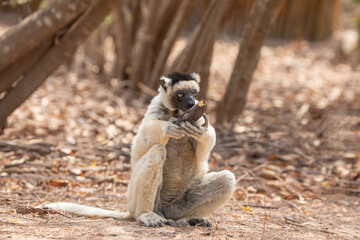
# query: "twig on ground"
284, 148
249, 172
293, 205
212, 214
237, 143
355, 183
347, 190
242, 177
58, 212
39, 148
41, 201
291, 219
15, 163
291, 222
260, 206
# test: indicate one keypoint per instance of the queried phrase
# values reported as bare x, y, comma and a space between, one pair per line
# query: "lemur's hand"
198, 133
172, 130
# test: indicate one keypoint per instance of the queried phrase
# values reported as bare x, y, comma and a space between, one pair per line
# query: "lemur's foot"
194, 222
153, 220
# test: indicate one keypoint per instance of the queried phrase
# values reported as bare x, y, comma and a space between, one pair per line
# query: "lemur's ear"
196, 77
165, 82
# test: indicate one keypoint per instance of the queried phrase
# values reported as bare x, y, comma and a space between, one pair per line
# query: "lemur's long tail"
86, 210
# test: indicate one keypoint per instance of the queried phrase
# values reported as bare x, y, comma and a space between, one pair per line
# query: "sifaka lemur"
170, 183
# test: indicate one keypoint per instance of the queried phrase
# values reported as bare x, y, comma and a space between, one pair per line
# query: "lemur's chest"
179, 168
180, 155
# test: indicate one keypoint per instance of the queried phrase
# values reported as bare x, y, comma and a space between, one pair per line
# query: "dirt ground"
295, 152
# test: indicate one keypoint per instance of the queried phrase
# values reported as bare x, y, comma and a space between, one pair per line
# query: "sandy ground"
295, 152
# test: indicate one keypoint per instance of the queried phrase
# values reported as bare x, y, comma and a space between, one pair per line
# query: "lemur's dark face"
180, 90
184, 99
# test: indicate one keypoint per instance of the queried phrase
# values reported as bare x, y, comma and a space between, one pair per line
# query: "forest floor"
295, 152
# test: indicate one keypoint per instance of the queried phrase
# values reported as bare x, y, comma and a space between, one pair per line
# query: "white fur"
184, 85
85, 210
196, 77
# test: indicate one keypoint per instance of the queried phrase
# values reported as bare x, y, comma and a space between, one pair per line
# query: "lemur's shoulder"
157, 110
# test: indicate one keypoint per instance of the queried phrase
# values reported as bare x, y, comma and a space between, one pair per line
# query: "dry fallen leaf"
247, 209
58, 183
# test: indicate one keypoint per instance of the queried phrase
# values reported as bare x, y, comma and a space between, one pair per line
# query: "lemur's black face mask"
185, 99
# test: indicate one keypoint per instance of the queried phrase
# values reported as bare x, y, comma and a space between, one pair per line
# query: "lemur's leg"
202, 198
145, 182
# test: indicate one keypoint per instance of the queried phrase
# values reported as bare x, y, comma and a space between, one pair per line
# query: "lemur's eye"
195, 94
180, 95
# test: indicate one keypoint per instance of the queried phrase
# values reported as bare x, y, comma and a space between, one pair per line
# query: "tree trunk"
313, 20
168, 43
144, 39
196, 57
39, 26
204, 71
307, 19
150, 38
204, 68
262, 15
56, 56
136, 19
190, 58
31, 6
122, 41
94, 47
166, 20
18, 68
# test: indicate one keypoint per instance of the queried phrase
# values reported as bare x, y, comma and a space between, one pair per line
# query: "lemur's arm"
148, 157
203, 134
205, 137
154, 131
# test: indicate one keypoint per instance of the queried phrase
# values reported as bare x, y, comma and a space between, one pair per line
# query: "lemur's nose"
191, 103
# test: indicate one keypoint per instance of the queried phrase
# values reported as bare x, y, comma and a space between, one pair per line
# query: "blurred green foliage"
109, 19
358, 17
42, 4
358, 21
